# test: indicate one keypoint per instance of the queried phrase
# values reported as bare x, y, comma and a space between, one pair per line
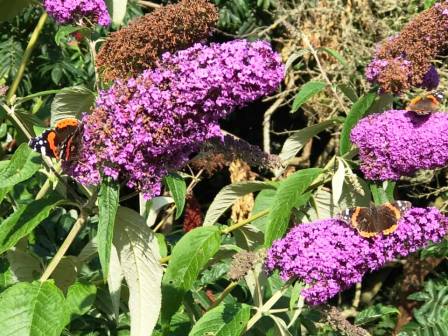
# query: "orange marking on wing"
390, 230
67, 122
68, 148
396, 211
51, 138
367, 234
433, 99
354, 217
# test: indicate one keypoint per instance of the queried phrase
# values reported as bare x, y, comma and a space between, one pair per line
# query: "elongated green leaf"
80, 298
114, 281
228, 195
356, 113
373, 313
335, 54
337, 182
263, 201
71, 102
178, 189
306, 92
288, 194
9, 9
139, 256
117, 10
32, 309
188, 257
299, 139
24, 220
107, 205
349, 92
23, 164
224, 320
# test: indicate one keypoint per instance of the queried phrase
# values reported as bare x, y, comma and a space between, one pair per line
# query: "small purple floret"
329, 256
70, 11
397, 143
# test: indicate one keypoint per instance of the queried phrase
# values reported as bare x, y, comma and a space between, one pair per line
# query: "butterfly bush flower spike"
404, 60
143, 128
397, 143
329, 256
72, 11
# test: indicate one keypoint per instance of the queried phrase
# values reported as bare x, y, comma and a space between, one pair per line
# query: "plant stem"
244, 222
268, 305
69, 239
26, 57
64, 247
11, 113
224, 293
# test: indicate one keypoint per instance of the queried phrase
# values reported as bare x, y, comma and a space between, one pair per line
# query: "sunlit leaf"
32, 309
71, 102
24, 163
228, 195
287, 196
80, 298
188, 258
178, 189
139, 256
307, 91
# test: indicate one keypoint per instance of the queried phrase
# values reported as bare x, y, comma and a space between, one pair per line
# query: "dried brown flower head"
193, 214
216, 154
243, 262
137, 47
240, 172
403, 60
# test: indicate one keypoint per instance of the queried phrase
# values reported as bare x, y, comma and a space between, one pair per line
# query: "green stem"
244, 222
225, 292
21, 100
11, 114
26, 57
69, 239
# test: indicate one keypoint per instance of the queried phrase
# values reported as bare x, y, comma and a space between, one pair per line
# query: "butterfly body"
59, 142
373, 220
426, 104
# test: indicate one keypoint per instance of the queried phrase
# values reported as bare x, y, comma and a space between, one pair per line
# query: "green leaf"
349, 92
228, 195
379, 194
188, 257
138, 251
71, 102
306, 92
263, 201
224, 320
24, 220
373, 313
429, 3
288, 194
356, 113
9, 9
299, 139
334, 54
80, 298
23, 164
178, 189
32, 309
117, 10
107, 205
337, 182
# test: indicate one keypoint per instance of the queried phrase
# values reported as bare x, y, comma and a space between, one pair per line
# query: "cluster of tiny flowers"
72, 11
143, 128
329, 256
404, 60
398, 143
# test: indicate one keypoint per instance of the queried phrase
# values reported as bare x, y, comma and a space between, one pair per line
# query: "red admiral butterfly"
59, 142
427, 103
373, 220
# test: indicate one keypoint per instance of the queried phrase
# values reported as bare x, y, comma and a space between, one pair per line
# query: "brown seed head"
137, 47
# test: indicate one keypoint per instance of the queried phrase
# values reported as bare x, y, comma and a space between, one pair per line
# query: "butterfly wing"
46, 144
423, 105
67, 132
361, 219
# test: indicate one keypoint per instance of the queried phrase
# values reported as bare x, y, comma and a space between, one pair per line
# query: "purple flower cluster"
329, 256
72, 11
431, 79
143, 128
398, 143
